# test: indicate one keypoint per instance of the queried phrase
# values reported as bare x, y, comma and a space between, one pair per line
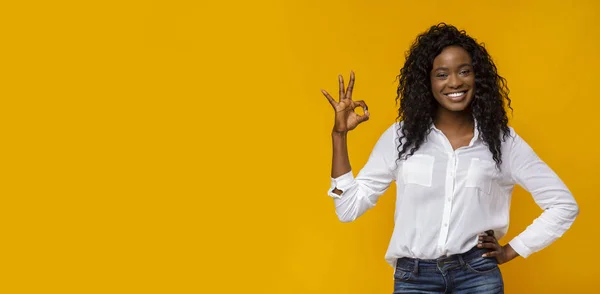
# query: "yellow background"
184, 146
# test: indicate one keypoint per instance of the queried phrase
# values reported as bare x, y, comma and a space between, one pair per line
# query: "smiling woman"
455, 161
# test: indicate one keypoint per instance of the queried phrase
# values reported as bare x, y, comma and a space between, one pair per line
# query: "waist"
407, 263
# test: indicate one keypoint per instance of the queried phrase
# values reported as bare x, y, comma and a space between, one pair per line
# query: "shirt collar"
476, 135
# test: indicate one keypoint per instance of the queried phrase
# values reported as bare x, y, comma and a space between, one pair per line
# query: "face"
453, 79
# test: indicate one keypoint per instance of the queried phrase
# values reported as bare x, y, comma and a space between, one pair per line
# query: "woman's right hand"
345, 117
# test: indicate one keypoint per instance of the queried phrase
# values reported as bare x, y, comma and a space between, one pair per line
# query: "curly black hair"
418, 107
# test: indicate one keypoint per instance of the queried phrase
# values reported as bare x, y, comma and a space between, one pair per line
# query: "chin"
456, 108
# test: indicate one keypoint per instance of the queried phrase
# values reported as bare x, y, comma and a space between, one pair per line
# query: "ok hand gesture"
345, 117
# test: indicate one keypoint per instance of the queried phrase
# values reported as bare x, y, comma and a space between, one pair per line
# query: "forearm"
340, 162
353, 196
545, 229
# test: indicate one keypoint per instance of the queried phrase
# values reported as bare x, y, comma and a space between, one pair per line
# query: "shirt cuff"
342, 182
520, 248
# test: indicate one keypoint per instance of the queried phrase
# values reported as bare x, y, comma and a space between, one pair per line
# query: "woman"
455, 161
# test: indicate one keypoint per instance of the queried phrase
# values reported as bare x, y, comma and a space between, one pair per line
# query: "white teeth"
455, 94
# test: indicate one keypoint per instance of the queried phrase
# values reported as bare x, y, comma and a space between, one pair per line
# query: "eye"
465, 72
441, 75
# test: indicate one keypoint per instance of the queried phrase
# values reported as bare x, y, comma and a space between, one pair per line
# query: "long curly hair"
418, 107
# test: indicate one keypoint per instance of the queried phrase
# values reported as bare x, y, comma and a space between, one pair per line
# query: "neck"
454, 122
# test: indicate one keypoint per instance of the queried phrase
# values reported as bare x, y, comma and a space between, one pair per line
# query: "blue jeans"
460, 274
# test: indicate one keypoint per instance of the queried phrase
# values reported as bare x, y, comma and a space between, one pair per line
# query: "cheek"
470, 81
436, 87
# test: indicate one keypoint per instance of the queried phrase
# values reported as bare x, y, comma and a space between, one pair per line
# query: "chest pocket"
481, 175
418, 169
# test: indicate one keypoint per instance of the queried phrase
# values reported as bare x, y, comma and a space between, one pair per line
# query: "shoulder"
514, 143
388, 140
509, 139
393, 130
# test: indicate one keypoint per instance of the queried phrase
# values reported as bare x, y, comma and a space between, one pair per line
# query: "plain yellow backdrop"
184, 146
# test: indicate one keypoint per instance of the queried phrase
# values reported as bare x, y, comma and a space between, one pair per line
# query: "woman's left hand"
502, 254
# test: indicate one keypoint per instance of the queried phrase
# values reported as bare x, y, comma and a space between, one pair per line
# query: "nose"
454, 81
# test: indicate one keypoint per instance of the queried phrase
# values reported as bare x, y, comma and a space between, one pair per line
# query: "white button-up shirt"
446, 197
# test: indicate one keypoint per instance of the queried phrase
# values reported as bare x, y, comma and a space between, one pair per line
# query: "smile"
456, 94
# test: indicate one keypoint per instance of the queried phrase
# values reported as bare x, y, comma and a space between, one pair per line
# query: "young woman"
455, 161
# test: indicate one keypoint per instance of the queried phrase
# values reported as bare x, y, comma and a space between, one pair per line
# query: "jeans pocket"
482, 265
402, 275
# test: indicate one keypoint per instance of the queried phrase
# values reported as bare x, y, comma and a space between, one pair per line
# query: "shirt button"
446, 225
449, 199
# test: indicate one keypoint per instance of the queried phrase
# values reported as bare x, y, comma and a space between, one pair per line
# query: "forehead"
452, 56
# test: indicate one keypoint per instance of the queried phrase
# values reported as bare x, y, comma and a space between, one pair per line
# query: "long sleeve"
361, 193
550, 194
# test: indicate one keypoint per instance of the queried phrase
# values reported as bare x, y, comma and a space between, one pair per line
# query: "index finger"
487, 233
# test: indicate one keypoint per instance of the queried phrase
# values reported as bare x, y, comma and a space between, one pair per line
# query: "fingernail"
484, 255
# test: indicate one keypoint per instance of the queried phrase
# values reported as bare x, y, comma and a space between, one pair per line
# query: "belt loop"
461, 260
416, 269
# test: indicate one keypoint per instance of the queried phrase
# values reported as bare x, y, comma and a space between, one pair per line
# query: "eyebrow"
445, 68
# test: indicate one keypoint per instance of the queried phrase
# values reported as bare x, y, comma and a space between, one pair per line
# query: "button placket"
450, 179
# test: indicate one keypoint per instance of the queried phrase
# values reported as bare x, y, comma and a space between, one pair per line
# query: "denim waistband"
415, 264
